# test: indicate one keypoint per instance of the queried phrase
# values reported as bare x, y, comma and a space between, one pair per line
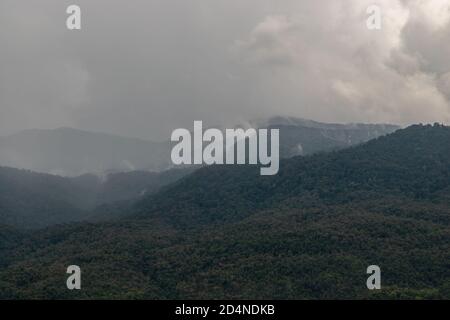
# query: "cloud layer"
146, 68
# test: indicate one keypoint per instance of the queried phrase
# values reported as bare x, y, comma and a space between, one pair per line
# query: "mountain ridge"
213, 235
209, 183
73, 152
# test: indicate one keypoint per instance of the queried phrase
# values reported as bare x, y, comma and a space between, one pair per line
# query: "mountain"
119, 190
129, 185
37, 200
305, 137
226, 232
382, 165
34, 200
72, 152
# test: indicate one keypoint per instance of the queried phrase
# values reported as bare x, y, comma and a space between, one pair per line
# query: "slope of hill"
119, 191
37, 200
33, 200
130, 185
308, 233
72, 152
388, 165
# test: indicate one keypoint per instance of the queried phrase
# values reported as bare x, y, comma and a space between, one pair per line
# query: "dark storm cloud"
143, 68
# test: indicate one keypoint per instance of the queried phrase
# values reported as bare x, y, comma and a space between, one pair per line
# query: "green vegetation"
226, 232
33, 200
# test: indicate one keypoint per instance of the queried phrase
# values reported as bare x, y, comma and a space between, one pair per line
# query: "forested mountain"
226, 232
118, 191
33, 200
130, 185
305, 137
71, 152
36, 200
411, 163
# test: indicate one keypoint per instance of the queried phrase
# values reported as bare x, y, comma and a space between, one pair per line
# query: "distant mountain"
307, 233
72, 152
305, 137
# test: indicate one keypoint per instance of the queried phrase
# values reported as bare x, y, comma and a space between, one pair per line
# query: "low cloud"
147, 68
340, 70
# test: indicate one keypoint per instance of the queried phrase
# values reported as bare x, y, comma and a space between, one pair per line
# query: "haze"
145, 68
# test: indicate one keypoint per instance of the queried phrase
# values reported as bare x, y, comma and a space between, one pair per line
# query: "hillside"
34, 200
226, 232
411, 163
9, 241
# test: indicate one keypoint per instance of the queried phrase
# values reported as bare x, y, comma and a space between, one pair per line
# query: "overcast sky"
144, 68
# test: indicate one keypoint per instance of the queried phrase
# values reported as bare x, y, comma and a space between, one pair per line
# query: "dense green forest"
226, 232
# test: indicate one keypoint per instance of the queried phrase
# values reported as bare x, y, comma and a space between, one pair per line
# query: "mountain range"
72, 152
36, 200
226, 232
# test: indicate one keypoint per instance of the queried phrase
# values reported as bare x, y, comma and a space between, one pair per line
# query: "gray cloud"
146, 67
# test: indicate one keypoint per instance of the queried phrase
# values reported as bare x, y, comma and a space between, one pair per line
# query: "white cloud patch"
341, 70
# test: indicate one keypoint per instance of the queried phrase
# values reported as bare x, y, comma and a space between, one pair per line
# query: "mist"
147, 69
